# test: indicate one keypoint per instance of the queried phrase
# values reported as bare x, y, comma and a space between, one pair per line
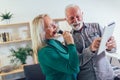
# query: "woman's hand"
68, 37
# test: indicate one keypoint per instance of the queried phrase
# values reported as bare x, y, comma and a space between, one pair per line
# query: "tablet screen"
107, 33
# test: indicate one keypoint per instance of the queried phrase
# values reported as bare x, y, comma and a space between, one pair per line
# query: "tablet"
107, 33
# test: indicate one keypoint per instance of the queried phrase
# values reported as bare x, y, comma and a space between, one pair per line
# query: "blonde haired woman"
58, 62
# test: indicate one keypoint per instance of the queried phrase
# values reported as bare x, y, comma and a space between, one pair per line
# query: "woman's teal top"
59, 62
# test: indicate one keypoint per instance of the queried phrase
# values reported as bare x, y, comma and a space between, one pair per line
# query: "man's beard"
78, 25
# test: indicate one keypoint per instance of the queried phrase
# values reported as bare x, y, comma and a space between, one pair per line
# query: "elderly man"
87, 37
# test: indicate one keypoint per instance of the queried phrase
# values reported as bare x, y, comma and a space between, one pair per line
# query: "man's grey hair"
70, 6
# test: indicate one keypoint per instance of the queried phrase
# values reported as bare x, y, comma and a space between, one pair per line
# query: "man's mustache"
75, 24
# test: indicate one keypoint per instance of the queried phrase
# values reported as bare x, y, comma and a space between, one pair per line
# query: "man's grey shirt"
92, 66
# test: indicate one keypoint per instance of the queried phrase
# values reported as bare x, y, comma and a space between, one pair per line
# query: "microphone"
60, 32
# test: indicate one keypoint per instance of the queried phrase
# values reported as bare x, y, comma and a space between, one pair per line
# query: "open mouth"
76, 24
54, 32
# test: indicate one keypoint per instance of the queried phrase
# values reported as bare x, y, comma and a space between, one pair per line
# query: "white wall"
94, 10
102, 11
26, 10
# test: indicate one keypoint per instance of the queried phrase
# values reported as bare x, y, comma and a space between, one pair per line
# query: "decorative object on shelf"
6, 17
20, 54
7, 68
1, 38
15, 34
25, 34
4, 37
29, 60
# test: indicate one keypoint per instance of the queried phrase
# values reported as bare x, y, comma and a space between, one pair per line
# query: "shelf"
20, 69
14, 30
15, 41
14, 25
12, 72
59, 19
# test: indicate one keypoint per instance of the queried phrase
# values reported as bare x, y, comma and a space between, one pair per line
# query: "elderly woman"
58, 62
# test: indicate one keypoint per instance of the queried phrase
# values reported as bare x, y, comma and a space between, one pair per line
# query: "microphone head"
60, 32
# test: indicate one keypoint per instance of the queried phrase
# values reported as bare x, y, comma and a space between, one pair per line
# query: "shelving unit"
18, 33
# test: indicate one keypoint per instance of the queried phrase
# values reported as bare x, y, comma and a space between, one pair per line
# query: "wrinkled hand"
68, 37
111, 43
95, 44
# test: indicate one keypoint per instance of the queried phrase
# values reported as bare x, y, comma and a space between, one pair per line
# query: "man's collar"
85, 25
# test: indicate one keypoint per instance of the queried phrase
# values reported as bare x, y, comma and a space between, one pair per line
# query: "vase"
6, 21
29, 60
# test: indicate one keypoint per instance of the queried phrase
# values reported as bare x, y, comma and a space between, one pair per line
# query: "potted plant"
6, 16
20, 54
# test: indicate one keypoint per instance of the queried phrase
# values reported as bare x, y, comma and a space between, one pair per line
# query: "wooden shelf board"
12, 72
59, 19
15, 41
14, 25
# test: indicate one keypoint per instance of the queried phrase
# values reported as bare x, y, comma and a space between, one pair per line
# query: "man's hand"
111, 44
95, 44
